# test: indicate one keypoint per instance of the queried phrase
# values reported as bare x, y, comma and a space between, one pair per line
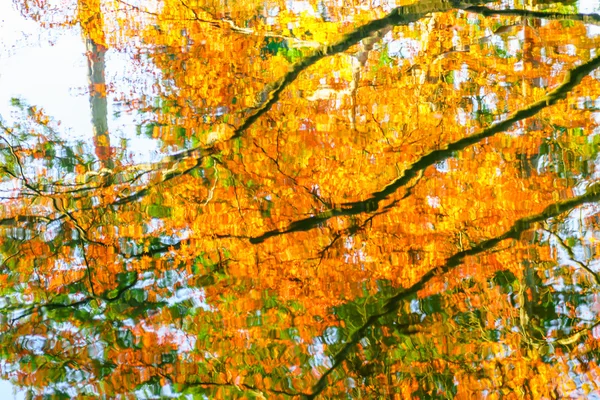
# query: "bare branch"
572, 257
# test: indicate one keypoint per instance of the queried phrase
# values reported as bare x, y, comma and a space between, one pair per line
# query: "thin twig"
571, 255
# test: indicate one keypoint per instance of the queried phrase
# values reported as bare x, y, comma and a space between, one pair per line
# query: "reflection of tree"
246, 267
92, 27
393, 303
96, 70
530, 326
89, 16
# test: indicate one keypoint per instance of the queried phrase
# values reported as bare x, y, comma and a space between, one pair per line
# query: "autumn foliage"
353, 202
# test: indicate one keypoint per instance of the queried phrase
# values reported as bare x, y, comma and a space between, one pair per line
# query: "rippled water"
299, 199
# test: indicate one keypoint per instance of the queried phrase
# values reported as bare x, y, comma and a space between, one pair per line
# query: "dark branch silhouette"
371, 204
54, 306
393, 303
240, 387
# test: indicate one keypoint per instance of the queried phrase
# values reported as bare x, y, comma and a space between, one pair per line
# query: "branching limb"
573, 78
229, 24
394, 303
259, 393
54, 306
572, 257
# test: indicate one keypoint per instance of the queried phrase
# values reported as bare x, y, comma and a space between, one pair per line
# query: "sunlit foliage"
355, 201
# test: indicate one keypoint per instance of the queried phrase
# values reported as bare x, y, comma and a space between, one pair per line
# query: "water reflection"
9, 391
350, 201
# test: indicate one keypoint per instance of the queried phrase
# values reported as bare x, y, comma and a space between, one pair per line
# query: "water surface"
301, 199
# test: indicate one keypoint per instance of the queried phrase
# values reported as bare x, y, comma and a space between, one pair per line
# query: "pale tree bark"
90, 17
